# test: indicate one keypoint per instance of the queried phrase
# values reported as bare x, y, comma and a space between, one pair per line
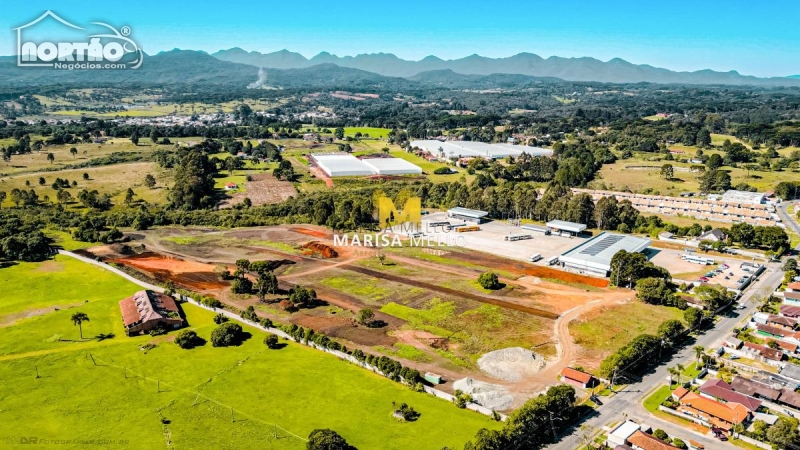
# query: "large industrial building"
467, 149
347, 165
562, 226
467, 215
593, 256
749, 198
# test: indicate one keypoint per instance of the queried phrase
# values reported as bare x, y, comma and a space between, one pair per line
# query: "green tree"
149, 181
339, 133
2, 198
699, 351
693, 317
51, 158
271, 341
703, 138
85, 176
187, 339
129, 196
135, 136
227, 334
661, 434
194, 182
154, 135
670, 330
326, 439
667, 171
365, 316
77, 319
784, 432
654, 291
73, 151
489, 280
266, 283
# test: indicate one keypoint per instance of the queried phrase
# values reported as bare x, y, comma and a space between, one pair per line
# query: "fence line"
341, 355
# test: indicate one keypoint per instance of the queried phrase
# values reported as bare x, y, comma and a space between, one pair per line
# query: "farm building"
465, 149
593, 256
750, 198
577, 378
148, 310
340, 164
347, 165
231, 186
392, 166
563, 226
467, 215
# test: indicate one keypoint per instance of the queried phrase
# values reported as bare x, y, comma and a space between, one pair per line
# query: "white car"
733, 357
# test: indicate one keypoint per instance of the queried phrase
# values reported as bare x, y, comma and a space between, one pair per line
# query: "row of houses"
701, 209
630, 435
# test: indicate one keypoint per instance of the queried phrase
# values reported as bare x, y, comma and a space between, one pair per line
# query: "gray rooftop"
467, 212
598, 251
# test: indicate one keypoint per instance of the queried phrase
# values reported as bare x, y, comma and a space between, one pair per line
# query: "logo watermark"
408, 222
35, 440
110, 49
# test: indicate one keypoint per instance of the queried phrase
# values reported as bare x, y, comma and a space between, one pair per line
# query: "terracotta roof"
780, 320
648, 442
790, 398
788, 346
729, 396
144, 306
719, 382
795, 286
775, 331
790, 310
792, 295
766, 352
680, 392
752, 388
729, 412
576, 375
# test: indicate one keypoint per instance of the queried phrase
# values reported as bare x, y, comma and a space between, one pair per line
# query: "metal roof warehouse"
562, 225
465, 149
344, 165
466, 214
594, 255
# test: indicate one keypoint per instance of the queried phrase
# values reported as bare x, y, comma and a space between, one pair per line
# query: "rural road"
628, 403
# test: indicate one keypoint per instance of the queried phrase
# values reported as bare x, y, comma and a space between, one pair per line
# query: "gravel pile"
511, 364
486, 394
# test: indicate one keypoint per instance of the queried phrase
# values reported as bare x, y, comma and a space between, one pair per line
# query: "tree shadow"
104, 336
377, 324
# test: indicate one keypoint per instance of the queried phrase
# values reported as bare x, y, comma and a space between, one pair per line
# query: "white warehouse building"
593, 256
347, 165
466, 149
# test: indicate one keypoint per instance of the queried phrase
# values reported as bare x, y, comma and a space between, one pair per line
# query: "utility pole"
552, 427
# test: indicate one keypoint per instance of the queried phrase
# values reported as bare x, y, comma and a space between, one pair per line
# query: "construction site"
505, 344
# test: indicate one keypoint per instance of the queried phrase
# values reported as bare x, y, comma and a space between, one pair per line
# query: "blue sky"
680, 35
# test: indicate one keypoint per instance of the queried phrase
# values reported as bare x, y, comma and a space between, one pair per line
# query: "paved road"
628, 404
789, 221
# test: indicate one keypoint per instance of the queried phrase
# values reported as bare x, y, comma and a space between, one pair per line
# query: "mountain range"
571, 69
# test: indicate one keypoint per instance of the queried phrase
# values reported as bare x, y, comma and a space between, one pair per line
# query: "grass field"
288, 391
609, 328
361, 287
652, 402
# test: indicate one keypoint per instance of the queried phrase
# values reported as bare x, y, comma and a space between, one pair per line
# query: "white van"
534, 258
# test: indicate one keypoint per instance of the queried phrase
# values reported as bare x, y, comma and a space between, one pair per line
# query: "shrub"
489, 280
271, 341
227, 334
661, 434
220, 319
443, 171
187, 339
326, 439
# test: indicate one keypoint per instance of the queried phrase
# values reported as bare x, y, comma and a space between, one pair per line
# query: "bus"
468, 229
535, 257
697, 259
518, 237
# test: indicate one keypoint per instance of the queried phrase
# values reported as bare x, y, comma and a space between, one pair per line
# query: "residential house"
790, 311
147, 310
620, 434
733, 342
715, 235
793, 287
763, 353
786, 323
787, 348
791, 371
755, 389
712, 412
791, 298
775, 332
644, 441
231, 186
679, 393
577, 378
721, 391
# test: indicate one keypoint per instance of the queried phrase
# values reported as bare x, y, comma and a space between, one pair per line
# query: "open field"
113, 180
616, 177
264, 388
608, 328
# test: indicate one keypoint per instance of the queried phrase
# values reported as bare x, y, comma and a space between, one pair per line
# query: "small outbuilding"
562, 226
467, 215
577, 378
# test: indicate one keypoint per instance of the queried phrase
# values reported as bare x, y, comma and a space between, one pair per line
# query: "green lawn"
364, 288
652, 402
148, 398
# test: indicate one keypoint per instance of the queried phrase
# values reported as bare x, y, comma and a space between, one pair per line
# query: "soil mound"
511, 364
317, 248
489, 395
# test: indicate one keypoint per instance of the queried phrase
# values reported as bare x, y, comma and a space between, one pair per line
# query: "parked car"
734, 357
703, 279
740, 306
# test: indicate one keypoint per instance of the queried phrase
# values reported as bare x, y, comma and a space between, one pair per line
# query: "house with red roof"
723, 392
763, 353
712, 412
577, 378
643, 441
147, 310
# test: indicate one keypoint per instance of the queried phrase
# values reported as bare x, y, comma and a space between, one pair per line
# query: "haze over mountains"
572, 69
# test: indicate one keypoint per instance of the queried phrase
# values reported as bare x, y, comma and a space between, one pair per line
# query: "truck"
468, 229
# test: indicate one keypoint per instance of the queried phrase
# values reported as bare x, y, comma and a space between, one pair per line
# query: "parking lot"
491, 239
713, 273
